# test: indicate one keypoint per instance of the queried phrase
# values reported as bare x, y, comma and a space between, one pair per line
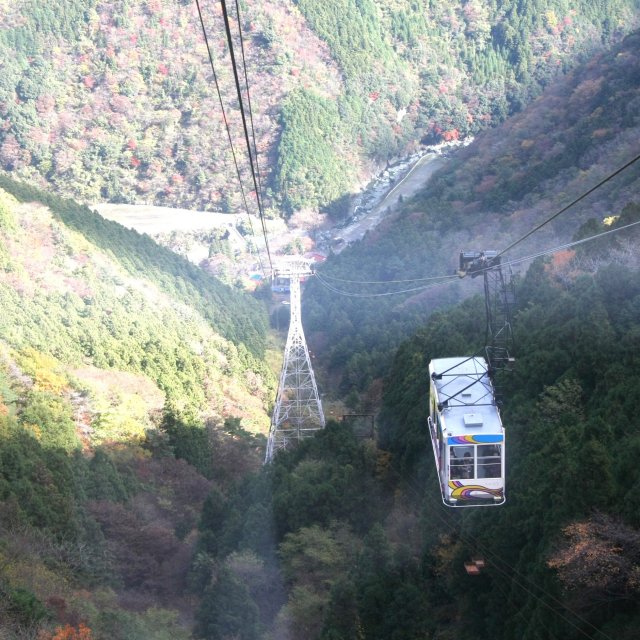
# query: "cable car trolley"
466, 433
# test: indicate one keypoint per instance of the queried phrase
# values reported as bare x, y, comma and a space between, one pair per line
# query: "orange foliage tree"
81, 632
600, 560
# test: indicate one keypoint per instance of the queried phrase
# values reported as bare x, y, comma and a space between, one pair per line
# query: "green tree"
310, 171
227, 611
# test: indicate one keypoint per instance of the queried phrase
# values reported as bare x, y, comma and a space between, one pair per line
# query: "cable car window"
489, 461
461, 460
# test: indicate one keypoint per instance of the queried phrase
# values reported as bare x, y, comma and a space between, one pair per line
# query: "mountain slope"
581, 129
356, 534
569, 475
236, 316
115, 101
114, 318
121, 407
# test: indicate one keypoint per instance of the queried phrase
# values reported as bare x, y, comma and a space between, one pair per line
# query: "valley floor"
154, 220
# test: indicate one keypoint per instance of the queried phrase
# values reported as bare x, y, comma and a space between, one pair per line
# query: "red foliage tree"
12, 156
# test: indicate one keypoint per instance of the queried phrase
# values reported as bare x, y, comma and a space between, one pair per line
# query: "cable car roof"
465, 398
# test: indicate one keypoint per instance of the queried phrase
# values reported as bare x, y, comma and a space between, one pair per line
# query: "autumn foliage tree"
81, 632
599, 560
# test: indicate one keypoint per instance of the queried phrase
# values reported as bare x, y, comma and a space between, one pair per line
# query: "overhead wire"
551, 608
442, 279
255, 173
497, 562
227, 127
504, 568
513, 244
571, 204
495, 559
330, 277
348, 294
562, 247
250, 108
500, 565
449, 278
245, 128
507, 596
509, 572
570, 245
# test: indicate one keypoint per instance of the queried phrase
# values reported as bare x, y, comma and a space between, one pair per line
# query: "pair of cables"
250, 141
436, 281
255, 173
433, 281
511, 574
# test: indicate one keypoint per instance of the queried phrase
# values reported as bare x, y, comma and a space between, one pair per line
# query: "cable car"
466, 433
281, 284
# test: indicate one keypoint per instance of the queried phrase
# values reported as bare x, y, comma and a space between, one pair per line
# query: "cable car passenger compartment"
466, 433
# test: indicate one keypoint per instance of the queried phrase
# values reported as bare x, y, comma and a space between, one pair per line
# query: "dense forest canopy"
567, 485
365, 548
114, 101
130, 382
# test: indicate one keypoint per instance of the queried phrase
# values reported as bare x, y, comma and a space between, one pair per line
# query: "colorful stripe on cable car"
477, 439
469, 491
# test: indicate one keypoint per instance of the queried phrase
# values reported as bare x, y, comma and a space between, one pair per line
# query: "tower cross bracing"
298, 411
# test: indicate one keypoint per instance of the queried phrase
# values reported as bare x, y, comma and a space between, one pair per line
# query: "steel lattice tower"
499, 298
298, 411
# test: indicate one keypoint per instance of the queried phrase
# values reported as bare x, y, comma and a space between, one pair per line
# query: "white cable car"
466, 433
281, 284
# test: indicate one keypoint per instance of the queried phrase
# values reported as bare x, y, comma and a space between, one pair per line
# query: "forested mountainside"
131, 384
352, 541
234, 315
581, 129
115, 100
338, 538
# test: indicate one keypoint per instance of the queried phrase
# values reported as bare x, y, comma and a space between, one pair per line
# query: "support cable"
496, 560
250, 108
448, 278
524, 237
570, 245
578, 199
329, 286
329, 277
245, 128
226, 124
543, 602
